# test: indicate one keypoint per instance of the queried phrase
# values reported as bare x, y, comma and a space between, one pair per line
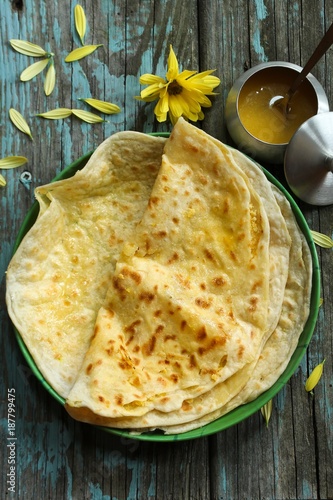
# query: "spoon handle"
323, 46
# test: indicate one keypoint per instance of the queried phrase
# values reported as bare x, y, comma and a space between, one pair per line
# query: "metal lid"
308, 161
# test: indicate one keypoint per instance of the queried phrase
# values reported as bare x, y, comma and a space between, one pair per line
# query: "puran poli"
222, 393
281, 344
58, 278
173, 326
203, 287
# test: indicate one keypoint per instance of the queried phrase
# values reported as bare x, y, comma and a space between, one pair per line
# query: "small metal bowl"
259, 149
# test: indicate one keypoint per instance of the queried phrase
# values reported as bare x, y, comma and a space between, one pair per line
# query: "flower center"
174, 88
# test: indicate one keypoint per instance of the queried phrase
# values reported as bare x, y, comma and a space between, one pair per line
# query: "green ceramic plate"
240, 413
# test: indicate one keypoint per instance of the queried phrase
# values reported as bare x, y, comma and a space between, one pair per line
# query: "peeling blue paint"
258, 47
261, 10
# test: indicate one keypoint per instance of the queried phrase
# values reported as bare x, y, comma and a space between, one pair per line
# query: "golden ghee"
267, 122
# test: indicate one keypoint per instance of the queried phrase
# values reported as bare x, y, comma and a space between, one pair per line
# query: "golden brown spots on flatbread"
129, 340
203, 303
136, 361
186, 406
110, 351
125, 364
119, 399
133, 275
175, 220
146, 297
169, 337
219, 281
89, 368
226, 206
161, 234
256, 285
158, 313
241, 350
101, 399
213, 344
132, 328
233, 256
119, 287
193, 361
148, 347
253, 304
154, 200
202, 334
183, 325
208, 254
173, 258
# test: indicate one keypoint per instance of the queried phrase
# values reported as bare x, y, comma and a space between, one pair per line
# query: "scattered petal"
86, 116
12, 162
321, 301
81, 52
2, 181
56, 114
314, 377
80, 22
322, 240
266, 411
105, 107
28, 48
49, 82
34, 69
20, 122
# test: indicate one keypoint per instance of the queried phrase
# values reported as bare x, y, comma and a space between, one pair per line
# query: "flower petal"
86, 116
56, 114
27, 48
322, 240
20, 122
314, 377
172, 65
105, 107
80, 22
148, 79
12, 162
34, 69
2, 181
151, 91
49, 82
81, 52
266, 411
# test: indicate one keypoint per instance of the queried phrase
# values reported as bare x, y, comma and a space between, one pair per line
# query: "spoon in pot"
283, 102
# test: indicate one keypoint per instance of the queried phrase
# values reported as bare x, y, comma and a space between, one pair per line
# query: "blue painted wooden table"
54, 457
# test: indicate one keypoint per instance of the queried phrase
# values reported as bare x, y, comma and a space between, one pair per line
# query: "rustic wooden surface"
57, 458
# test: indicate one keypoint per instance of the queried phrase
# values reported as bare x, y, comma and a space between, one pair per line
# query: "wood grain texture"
58, 458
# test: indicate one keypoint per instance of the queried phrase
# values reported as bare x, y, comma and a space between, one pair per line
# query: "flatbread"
58, 278
162, 286
172, 326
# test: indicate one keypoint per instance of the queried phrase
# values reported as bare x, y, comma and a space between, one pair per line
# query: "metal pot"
256, 148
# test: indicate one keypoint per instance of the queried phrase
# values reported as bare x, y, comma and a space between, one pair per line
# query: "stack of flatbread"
163, 285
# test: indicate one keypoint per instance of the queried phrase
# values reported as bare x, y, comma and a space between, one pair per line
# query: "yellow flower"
180, 93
